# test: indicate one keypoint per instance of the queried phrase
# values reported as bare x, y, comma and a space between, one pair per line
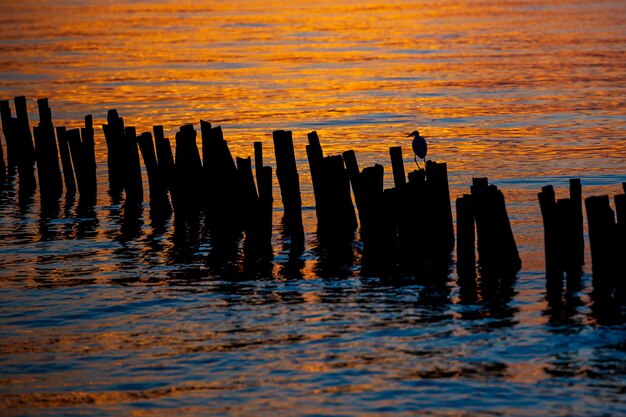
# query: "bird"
419, 146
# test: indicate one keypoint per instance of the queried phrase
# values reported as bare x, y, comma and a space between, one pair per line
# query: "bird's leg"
418, 165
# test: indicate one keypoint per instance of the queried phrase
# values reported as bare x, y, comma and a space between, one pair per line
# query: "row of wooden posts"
408, 227
565, 244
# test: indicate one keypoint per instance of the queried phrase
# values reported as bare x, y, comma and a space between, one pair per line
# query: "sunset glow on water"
99, 318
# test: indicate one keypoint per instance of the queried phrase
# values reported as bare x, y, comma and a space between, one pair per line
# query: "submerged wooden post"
23, 142
288, 179
575, 195
72, 137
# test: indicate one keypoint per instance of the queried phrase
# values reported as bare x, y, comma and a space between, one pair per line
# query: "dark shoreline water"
104, 317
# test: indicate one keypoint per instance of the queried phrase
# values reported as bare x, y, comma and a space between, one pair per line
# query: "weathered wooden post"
497, 250
88, 145
159, 203
602, 242
66, 161
165, 159
115, 137
50, 180
288, 179
133, 183
466, 237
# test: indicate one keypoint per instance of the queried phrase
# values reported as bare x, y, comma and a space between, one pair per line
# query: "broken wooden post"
66, 161
288, 179
547, 203
72, 137
466, 237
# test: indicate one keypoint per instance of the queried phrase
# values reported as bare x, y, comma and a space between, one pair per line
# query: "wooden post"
89, 154
466, 238
188, 173
497, 250
266, 197
547, 203
440, 227
66, 161
575, 195
159, 203
165, 158
287, 174
115, 138
9, 136
50, 180
602, 242
133, 183
23, 126
397, 165
72, 137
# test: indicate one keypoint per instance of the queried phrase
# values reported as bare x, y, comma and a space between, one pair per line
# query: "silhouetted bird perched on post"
419, 146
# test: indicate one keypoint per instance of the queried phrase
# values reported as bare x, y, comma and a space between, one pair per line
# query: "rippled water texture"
101, 316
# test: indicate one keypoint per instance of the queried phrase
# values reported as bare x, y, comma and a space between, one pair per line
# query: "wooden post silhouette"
497, 250
89, 154
397, 166
50, 180
115, 137
165, 159
159, 202
602, 242
9, 136
66, 161
266, 197
288, 179
466, 237
188, 173
133, 183
439, 227
331, 186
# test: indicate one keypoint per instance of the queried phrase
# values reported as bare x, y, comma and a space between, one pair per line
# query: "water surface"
102, 316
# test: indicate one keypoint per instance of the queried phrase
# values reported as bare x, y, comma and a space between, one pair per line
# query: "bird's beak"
409, 135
